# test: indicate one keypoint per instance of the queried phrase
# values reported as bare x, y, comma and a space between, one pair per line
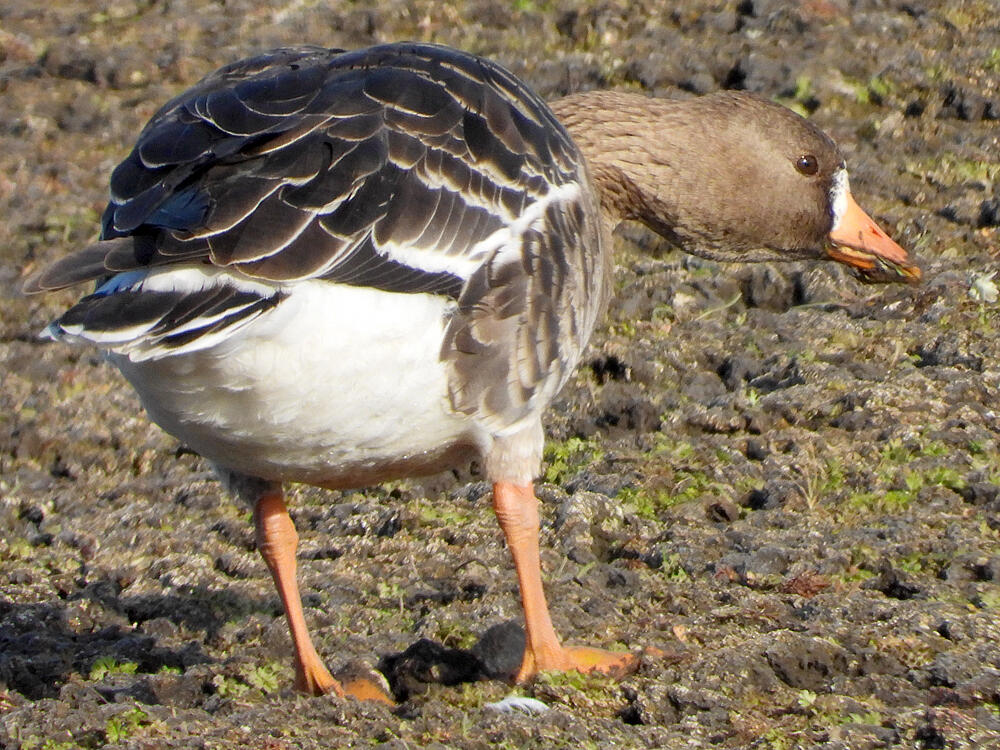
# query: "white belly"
335, 386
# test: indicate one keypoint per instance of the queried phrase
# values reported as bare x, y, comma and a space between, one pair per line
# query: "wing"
383, 167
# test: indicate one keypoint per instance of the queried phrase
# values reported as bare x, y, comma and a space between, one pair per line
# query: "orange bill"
860, 243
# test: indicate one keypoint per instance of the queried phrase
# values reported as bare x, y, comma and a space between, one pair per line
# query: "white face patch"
839, 191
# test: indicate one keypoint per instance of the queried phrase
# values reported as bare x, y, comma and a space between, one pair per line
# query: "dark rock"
773, 495
180, 691
622, 408
160, 628
31, 514
236, 533
755, 450
688, 700
764, 286
980, 493
388, 524
652, 557
500, 650
722, 510
427, 662
856, 734
697, 81
124, 687
598, 607
579, 522
236, 566
989, 213
67, 60
625, 579
610, 367
944, 352
988, 571
949, 669
768, 560
719, 420
737, 370
804, 662
605, 484
891, 582
574, 72
777, 373
960, 103
702, 387
472, 492
930, 738
655, 71
853, 421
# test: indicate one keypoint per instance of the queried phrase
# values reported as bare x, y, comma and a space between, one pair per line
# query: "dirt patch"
784, 485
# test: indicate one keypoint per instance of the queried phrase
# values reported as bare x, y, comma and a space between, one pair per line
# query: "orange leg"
516, 508
277, 541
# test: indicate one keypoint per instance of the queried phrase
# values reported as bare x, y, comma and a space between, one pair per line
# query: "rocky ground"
783, 484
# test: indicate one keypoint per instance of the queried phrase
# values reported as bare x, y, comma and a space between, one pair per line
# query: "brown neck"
612, 129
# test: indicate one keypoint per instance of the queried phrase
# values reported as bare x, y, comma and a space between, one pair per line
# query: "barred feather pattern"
408, 168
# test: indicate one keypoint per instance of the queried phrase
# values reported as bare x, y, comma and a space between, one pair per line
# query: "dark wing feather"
409, 146
146, 324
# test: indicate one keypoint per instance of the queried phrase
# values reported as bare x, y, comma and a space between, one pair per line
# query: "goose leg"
277, 541
516, 508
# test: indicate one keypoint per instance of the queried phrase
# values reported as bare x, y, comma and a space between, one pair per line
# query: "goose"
340, 268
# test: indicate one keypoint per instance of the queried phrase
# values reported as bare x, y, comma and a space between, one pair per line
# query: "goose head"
728, 176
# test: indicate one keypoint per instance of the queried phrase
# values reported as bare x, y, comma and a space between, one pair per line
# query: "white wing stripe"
507, 241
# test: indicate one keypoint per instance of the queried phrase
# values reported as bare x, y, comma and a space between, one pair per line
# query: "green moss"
945, 476
871, 718
121, 727
949, 170
264, 677
387, 590
688, 485
968, 16
565, 459
676, 450
107, 665
895, 452
880, 87
673, 570
777, 738
443, 514
919, 562
532, 6
643, 504
229, 687
834, 475
873, 91
456, 635
990, 598
887, 502
35, 743
992, 62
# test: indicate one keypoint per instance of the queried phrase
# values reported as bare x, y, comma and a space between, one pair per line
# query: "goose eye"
807, 164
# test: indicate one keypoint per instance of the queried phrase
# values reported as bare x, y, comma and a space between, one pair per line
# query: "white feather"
313, 388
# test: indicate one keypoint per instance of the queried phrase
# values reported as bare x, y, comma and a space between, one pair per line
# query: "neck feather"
617, 134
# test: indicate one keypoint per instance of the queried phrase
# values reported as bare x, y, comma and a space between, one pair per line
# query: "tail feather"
106, 258
149, 315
